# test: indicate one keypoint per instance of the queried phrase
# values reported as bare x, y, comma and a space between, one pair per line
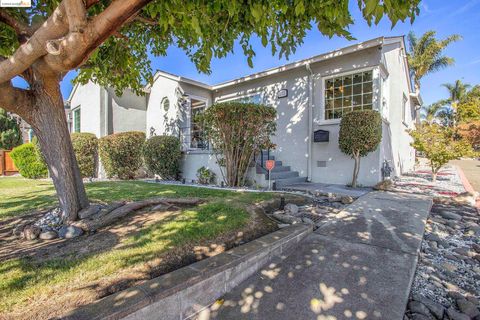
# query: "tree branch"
18, 101
35, 47
76, 15
21, 29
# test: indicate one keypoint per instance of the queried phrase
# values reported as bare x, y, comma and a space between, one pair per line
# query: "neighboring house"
310, 97
100, 111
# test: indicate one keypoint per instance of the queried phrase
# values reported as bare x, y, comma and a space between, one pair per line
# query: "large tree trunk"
50, 126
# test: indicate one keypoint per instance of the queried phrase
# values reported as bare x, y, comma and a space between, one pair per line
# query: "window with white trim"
254, 98
348, 93
76, 120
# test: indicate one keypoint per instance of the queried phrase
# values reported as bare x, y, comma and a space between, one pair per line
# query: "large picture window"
347, 93
255, 98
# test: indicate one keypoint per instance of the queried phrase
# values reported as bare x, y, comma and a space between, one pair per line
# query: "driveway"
358, 265
471, 168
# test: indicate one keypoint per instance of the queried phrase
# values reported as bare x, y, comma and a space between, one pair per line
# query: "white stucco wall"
398, 150
126, 113
87, 97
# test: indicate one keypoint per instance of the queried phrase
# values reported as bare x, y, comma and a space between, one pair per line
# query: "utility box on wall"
321, 136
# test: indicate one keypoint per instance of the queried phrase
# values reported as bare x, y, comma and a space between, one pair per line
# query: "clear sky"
444, 16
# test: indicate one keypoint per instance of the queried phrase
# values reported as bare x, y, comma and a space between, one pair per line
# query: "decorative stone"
18, 230
286, 218
69, 232
346, 199
307, 220
418, 307
467, 308
48, 235
435, 308
291, 209
455, 315
31, 232
89, 211
466, 198
450, 215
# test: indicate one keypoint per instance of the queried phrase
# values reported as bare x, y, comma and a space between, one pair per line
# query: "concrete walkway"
358, 265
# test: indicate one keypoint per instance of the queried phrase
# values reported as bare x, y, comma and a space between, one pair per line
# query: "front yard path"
358, 265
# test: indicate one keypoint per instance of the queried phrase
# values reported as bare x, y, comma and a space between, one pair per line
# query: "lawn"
46, 281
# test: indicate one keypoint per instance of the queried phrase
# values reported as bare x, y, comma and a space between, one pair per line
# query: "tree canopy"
68, 35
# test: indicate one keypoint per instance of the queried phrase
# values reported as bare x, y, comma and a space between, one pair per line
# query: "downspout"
310, 121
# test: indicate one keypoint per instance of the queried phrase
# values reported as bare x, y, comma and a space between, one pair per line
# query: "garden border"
184, 292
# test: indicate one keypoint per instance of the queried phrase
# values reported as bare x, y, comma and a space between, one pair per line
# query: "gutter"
310, 121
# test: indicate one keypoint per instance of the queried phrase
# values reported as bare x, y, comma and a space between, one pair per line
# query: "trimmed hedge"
162, 156
360, 132
28, 161
85, 146
121, 153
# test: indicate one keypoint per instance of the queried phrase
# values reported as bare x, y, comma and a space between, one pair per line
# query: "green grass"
19, 196
30, 282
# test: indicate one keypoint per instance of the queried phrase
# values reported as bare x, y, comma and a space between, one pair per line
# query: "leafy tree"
10, 135
360, 133
468, 108
470, 131
457, 92
439, 145
425, 55
237, 131
109, 41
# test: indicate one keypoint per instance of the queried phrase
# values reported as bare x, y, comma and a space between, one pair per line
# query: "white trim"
321, 120
235, 96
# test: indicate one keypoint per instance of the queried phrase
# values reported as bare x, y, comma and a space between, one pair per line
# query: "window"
255, 98
197, 139
76, 120
347, 93
165, 104
404, 109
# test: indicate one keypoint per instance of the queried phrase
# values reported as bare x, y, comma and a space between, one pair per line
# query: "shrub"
205, 176
237, 131
85, 146
10, 135
439, 146
470, 132
28, 161
162, 156
360, 134
121, 153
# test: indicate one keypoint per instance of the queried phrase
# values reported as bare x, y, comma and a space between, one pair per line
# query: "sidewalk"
358, 265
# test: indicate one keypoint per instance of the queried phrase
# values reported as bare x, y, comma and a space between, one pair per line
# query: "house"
310, 97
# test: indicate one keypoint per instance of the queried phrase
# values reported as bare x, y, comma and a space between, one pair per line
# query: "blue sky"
445, 17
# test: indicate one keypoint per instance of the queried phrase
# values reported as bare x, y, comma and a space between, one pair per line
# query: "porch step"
281, 183
278, 168
282, 175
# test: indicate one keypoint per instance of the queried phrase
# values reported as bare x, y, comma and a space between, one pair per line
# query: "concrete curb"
186, 291
468, 187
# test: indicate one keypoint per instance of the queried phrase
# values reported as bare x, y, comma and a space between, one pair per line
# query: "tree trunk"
356, 169
434, 177
50, 126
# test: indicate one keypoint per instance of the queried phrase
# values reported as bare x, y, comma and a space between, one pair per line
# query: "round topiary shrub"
28, 161
85, 146
360, 134
121, 153
162, 156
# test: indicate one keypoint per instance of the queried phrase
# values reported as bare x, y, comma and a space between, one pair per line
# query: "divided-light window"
347, 93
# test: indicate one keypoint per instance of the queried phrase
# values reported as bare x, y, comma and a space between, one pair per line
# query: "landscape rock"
467, 308
455, 315
450, 215
31, 232
308, 220
291, 209
48, 235
18, 230
418, 307
89, 211
435, 308
346, 200
68, 232
466, 198
286, 218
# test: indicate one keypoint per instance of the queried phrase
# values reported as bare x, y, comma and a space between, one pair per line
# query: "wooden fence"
7, 167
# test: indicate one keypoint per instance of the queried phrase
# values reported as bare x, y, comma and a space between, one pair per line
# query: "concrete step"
282, 175
280, 183
261, 170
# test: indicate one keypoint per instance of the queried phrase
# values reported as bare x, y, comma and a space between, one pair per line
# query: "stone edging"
186, 291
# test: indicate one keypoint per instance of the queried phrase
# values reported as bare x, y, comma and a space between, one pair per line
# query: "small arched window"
165, 104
